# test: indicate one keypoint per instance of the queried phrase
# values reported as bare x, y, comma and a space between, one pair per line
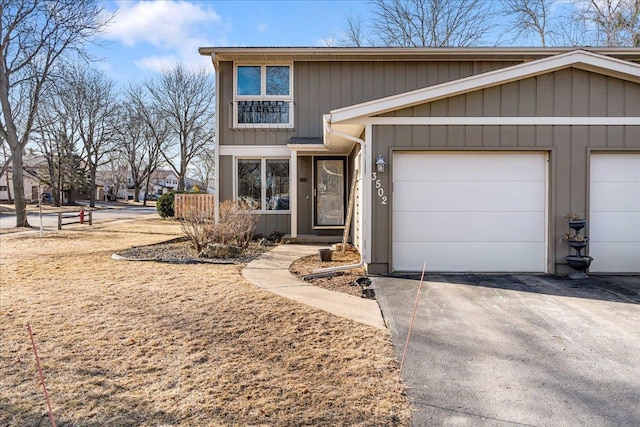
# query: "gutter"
360, 142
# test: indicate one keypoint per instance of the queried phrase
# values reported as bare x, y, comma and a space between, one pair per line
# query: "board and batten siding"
566, 93
320, 87
563, 93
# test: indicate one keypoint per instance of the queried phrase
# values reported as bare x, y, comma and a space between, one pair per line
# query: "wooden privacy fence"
201, 202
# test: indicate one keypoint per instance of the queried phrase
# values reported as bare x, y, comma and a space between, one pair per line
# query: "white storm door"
475, 212
614, 217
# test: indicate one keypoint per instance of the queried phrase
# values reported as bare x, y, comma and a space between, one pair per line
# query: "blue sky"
146, 36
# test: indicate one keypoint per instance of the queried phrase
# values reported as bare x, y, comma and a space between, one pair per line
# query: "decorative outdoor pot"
325, 254
577, 224
579, 263
578, 244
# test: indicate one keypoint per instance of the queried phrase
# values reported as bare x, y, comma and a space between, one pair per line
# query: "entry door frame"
345, 170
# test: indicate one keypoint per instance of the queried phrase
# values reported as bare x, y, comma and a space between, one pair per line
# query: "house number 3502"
379, 189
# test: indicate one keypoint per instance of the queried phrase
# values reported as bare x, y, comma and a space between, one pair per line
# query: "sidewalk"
271, 271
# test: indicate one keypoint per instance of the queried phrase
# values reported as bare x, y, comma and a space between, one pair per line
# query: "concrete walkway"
271, 271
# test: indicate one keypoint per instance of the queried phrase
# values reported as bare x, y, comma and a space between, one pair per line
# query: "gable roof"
580, 59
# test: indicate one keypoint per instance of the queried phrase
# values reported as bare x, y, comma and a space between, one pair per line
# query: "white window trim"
263, 179
263, 95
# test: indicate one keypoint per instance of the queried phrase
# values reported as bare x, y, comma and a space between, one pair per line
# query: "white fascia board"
308, 147
504, 121
254, 150
580, 59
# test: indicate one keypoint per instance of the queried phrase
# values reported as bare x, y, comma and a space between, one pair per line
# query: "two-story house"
466, 159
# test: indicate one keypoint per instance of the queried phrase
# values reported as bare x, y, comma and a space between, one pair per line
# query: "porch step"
311, 238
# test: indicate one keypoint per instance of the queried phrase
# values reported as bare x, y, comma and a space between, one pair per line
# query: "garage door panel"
495, 227
467, 167
464, 196
614, 227
614, 217
470, 256
606, 196
615, 257
469, 212
615, 167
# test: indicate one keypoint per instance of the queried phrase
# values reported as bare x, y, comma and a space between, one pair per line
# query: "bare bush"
196, 225
235, 227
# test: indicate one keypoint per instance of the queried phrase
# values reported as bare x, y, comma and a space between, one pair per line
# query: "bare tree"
613, 22
204, 168
131, 146
140, 140
117, 171
431, 23
95, 109
35, 37
155, 130
185, 100
354, 32
532, 19
56, 135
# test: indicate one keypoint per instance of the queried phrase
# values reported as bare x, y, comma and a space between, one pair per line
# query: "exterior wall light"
380, 163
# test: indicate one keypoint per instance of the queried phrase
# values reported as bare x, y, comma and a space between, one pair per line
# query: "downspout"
360, 142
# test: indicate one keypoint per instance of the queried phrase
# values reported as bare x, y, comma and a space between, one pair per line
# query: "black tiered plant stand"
578, 261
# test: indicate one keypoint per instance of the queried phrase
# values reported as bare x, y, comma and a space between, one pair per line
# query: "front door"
329, 190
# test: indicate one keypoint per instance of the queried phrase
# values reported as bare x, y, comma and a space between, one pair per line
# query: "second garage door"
476, 212
614, 241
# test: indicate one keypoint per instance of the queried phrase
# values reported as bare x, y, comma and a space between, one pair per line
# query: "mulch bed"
181, 251
341, 281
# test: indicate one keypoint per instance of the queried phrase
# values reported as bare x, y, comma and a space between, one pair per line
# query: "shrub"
235, 227
197, 225
164, 205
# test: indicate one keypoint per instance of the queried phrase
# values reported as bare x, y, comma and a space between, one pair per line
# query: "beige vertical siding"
225, 186
564, 93
320, 87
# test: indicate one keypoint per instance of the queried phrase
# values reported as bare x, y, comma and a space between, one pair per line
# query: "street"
104, 212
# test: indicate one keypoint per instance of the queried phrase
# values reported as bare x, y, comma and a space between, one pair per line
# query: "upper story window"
263, 96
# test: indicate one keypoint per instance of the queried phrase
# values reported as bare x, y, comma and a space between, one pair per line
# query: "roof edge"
396, 53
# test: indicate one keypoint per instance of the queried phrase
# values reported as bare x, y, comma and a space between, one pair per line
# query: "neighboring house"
484, 150
163, 181
31, 185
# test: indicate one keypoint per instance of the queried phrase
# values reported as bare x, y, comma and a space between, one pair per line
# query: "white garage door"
469, 212
614, 229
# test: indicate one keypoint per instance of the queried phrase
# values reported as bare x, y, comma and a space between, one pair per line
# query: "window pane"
278, 80
249, 80
277, 185
249, 183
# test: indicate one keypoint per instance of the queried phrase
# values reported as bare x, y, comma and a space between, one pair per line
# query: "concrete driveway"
518, 349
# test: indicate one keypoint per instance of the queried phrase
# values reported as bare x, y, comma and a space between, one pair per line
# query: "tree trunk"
92, 184
18, 188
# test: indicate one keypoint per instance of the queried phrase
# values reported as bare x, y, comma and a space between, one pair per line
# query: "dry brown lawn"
145, 343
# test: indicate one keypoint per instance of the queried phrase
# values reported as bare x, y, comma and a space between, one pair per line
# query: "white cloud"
187, 56
164, 24
262, 27
163, 33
